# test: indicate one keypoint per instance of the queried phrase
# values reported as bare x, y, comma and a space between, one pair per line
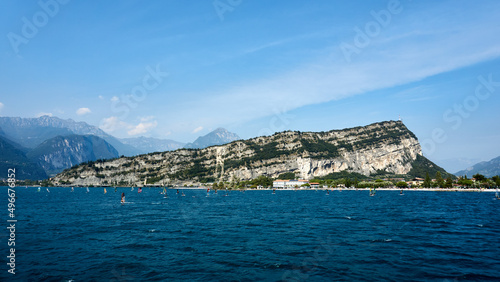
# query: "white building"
285, 184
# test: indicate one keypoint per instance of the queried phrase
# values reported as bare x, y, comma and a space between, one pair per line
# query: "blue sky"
177, 70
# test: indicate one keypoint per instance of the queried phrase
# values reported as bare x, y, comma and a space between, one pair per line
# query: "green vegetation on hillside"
421, 166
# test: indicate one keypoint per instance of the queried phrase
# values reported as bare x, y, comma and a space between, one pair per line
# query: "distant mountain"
31, 132
61, 152
456, 164
13, 157
488, 169
150, 145
220, 136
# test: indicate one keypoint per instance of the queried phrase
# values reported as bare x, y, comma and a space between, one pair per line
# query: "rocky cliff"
385, 147
62, 152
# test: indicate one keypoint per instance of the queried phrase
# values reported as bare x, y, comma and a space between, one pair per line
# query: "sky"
177, 69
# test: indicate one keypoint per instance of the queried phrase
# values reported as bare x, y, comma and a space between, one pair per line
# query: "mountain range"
488, 169
31, 132
62, 152
219, 136
13, 157
45, 146
385, 149
149, 145
51, 144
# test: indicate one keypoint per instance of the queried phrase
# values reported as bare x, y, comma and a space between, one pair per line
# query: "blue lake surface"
290, 236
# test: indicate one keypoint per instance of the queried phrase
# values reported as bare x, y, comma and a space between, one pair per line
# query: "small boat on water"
372, 192
72, 189
87, 189
38, 189
105, 191
401, 192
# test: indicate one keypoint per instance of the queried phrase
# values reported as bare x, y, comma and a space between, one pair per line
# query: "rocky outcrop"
380, 147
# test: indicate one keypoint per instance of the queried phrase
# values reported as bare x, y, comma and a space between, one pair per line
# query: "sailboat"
132, 189
497, 195
139, 190
274, 191
72, 189
48, 190
38, 189
87, 189
372, 192
401, 192
105, 191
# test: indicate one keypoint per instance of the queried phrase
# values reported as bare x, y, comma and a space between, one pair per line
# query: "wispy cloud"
198, 129
406, 58
148, 118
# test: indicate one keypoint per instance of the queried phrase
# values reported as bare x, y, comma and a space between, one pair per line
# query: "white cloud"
198, 129
83, 111
43, 114
113, 124
114, 99
1, 106
142, 128
101, 97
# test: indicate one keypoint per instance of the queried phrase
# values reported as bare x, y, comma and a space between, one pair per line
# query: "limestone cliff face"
62, 152
385, 146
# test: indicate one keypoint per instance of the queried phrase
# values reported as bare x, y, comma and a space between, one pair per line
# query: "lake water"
291, 236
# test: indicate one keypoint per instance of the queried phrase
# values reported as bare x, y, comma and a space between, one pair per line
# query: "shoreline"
291, 189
